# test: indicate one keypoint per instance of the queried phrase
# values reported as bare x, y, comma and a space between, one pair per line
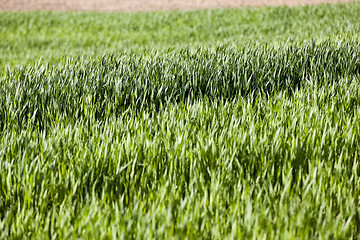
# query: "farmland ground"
210, 124
146, 5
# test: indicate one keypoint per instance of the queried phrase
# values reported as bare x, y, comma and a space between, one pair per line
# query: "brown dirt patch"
145, 5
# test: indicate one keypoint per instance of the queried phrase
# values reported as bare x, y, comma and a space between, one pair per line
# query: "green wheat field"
210, 124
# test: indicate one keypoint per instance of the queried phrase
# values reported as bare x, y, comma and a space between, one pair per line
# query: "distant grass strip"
27, 37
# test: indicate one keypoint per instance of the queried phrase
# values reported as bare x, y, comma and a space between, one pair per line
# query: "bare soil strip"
145, 5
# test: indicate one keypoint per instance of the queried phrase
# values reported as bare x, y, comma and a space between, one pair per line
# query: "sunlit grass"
25, 37
224, 142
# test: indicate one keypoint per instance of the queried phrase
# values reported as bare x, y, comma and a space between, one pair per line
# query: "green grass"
223, 138
110, 85
25, 37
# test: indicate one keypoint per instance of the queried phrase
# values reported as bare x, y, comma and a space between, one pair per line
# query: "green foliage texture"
212, 124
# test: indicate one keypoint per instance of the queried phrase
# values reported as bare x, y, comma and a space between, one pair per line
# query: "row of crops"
254, 141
